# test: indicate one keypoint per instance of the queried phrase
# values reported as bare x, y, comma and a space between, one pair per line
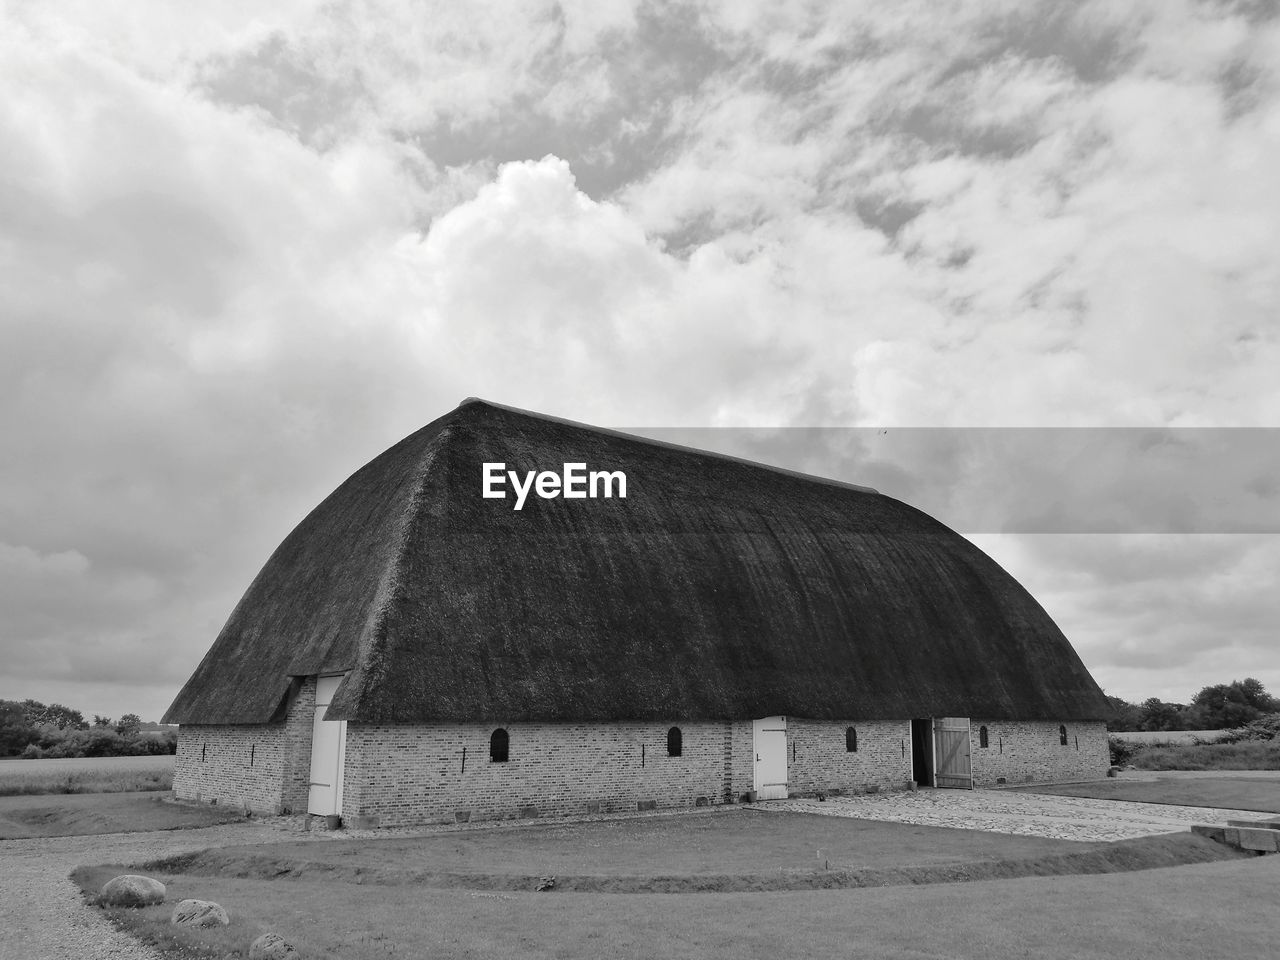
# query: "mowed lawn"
734, 885
1213, 911
1222, 791
736, 842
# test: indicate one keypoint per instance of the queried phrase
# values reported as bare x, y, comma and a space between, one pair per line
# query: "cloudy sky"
245, 247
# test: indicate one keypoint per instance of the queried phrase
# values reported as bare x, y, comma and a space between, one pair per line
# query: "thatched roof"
717, 589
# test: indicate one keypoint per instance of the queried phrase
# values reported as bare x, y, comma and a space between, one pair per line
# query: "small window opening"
1062, 735
203, 748
983, 740
850, 740
253, 748
675, 742
499, 746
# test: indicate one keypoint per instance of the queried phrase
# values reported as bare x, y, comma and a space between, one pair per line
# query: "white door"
328, 747
771, 758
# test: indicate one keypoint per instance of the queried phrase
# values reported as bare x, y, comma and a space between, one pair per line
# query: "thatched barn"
417, 650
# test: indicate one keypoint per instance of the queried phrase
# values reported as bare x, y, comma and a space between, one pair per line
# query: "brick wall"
1032, 751
235, 765
817, 758
404, 774
266, 767
296, 748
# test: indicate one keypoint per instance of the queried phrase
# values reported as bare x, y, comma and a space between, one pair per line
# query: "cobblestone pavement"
1028, 814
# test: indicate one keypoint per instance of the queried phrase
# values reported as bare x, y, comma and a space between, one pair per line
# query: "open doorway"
922, 751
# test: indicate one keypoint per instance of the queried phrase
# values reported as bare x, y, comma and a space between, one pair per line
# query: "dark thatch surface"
718, 589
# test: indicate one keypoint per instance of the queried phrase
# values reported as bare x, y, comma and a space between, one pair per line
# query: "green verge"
328, 911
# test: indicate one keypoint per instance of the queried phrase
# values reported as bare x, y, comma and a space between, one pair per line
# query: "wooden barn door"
952, 752
770, 735
328, 750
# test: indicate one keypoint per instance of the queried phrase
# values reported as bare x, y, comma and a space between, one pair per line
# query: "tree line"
29, 728
1223, 706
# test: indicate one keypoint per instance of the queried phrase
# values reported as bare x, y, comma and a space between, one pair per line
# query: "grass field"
89, 814
1171, 736
687, 854
1248, 755
1150, 914
735, 884
1225, 793
737, 843
86, 775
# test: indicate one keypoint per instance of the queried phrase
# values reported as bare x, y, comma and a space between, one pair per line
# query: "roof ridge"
667, 445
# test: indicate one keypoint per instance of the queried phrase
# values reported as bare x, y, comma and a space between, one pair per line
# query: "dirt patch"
84, 814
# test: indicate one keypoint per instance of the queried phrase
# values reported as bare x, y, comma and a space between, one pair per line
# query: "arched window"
675, 742
499, 744
1062, 735
983, 741
850, 740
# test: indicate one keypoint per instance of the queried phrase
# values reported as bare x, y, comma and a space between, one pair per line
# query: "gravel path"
42, 916
1027, 814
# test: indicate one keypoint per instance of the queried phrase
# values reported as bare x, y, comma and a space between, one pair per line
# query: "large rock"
271, 946
199, 913
131, 890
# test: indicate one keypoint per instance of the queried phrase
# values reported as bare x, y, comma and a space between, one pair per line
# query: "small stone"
271, 946
1112, 771
131, 890
199, 913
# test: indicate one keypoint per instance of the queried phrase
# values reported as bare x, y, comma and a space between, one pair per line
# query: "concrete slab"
1261, 824
1252, 839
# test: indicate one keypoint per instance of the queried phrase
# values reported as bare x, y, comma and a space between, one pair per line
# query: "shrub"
32, 752
1122, 751
1264, 728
